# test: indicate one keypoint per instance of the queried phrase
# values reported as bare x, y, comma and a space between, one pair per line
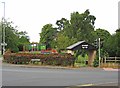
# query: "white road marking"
86, 85
33, 71
95, 84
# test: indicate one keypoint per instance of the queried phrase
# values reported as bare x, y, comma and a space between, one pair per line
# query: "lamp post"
99, 52
3, 44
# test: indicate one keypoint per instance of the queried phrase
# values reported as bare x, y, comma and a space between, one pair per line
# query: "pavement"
58, 67
55, 67
111, 69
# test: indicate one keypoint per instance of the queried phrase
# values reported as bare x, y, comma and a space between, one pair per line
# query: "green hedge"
46, 59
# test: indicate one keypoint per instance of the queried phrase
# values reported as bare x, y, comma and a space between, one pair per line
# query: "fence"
110, 60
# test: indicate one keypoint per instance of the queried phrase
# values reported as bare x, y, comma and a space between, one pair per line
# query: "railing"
110, 60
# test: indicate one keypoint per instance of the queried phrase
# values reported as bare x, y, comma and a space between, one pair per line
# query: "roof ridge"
75, 44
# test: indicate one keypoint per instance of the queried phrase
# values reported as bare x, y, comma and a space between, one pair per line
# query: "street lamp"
99, 52
3, 44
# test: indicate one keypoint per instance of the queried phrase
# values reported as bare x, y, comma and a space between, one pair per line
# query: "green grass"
80, 65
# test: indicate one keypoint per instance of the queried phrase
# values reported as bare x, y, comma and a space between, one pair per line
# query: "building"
86, 46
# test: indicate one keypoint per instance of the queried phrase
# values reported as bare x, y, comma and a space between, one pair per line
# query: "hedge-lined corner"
45, 59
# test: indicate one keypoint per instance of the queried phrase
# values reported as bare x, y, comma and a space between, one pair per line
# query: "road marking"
105, 83
83, 85
29, 70
86, 85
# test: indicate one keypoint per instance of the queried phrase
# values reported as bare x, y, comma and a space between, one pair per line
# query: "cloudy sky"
31, 15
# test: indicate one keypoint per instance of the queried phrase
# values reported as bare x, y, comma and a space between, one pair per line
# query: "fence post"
115, 59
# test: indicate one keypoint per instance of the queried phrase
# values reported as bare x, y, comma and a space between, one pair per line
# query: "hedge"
46, 59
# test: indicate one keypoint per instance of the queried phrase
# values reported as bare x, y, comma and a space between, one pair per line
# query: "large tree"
13, 38
102, 34
82, 25
79, 27
112, 44
48, 35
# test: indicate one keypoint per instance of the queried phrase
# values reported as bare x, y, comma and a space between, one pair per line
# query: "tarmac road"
24, 76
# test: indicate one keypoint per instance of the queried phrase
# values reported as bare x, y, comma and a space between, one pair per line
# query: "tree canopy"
80, 27
13, 37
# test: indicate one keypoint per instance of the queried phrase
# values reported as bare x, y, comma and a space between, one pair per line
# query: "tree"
118, 42
102, 34
82, 25
23, 40
112, 44
11, 40
62, 42
79, 27
47, 35
12, 37
62, 24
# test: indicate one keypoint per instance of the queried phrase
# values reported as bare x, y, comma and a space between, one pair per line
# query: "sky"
32, 15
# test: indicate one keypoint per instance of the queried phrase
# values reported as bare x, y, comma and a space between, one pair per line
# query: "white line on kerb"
94, 84
104, 83
86, 85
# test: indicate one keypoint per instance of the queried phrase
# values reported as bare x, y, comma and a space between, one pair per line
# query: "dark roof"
81, 45
74, 45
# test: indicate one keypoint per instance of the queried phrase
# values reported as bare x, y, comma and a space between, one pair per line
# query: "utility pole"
3, 44
99, 52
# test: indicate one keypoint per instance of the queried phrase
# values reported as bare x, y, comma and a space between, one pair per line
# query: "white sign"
3, 44
35, 59
84, 46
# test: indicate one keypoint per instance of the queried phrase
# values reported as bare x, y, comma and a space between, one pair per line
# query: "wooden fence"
110, 60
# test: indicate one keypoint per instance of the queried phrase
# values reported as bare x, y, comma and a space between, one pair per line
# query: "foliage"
48, 59
67, 32
13, 38
80, 27
64, 41
118, 42
102, 34
47, 35
96, 63
112, 45
80, 59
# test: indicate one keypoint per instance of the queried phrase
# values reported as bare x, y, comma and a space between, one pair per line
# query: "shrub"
96, 63
46, 59
80, 59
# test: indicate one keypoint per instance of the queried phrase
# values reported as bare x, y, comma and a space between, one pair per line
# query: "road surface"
21, 76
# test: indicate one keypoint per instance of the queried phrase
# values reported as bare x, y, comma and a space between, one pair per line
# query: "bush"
46, 59
81, 59
96, 63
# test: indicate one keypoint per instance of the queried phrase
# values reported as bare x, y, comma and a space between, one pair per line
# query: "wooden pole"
115, 59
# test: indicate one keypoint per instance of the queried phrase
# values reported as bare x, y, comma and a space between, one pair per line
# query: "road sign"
3, 44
